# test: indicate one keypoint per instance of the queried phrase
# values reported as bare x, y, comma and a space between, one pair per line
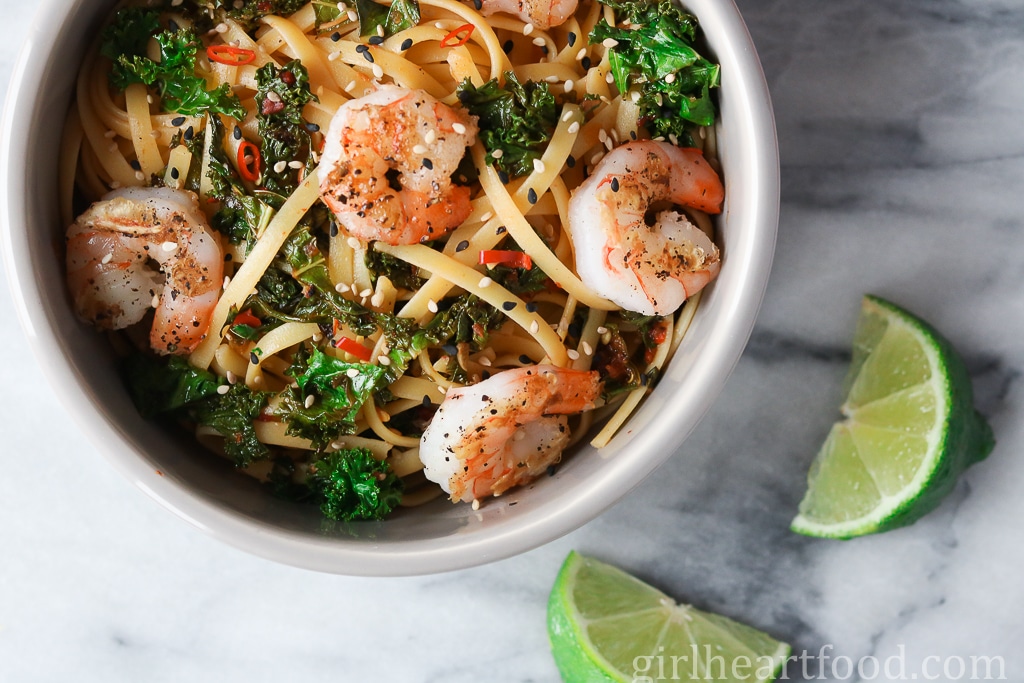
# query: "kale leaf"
351, 484
174, 74
339, 389
517, 118
401, 273
249, 12
659, 59
402, 14
232, 414
281, 94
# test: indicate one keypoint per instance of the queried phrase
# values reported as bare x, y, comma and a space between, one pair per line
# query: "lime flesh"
605, 625
909, 430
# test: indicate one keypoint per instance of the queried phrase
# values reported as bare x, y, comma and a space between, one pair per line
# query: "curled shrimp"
387, 165
543, 14
504, 431
135, 243
650, 269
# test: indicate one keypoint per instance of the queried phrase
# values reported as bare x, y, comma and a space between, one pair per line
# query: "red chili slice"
514, 259
453, 40
353, 347
250, 171
247, 318
230, 55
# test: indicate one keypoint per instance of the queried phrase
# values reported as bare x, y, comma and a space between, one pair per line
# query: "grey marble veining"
900, 125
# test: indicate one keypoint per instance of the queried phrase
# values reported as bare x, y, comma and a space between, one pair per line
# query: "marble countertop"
903, 167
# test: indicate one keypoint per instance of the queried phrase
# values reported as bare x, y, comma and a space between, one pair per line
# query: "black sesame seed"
134, 163
632, 134
312, 127
253, 358
450, 349
406, 44
426, 401
551, 470
544, 49
334, 229
428, 164
501, 230
485, 374
503, 177
237, 132
572, 38
375, 40
507, 47
479, 4
172, 25
525, 360
531, 307
189, 133
531, 196
174, 172
644, 380
462, 246
570, 161
361, 48
585, 63
335, 36
615, 184
509, 305
178, 121
368, 56
227, 256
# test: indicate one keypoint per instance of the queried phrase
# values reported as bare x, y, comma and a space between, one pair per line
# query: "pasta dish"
380, 252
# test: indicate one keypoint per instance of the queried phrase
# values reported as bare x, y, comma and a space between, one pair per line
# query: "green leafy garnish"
658, 58
232, 415
402, 14
351, 484
516, 118
280, 96
174, 74
249, 12
401, 273
339, 390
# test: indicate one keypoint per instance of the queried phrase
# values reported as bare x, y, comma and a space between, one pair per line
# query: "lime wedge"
606, 625
910, 429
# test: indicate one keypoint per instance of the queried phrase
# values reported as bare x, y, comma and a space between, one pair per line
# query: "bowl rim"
395, 558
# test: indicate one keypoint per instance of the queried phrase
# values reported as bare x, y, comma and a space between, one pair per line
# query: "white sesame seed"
660, 138
485, 282
317, 337
551, 79
574, 127
333, 56
295, 164
383, 360
587, 349
609, 42
487, 216
336, 445
380, 30
155, 301
670, 78
227, 281
114, 184
673, 138
528, 29
139, 175
602, 330
149, 99
432, 306
596, 158
609, 143
231, 377
459, 128
377, 299
609, 78
309, 401
573, 354
602, 135
362, 302
497, 153
169, 246
221, 28
567, 115
485, 361
106, 259
366, 292
581, 54
442, 389
280, 166
351, 86
223, 389
378, 71
342, 7
352, 372
539, 42
352, 15
431, 137
476, 503
538, 166
258, 379
341, 288
634, 95
569, 85
534, 327
419, 149
438, 24
273, 96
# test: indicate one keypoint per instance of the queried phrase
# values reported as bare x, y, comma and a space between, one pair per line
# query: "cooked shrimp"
504, 431
111, 252
650, 269
543, 14
387, 165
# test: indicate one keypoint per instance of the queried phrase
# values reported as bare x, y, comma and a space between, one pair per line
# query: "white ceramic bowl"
203, 490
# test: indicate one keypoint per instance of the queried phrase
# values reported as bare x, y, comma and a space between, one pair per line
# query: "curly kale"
281, 93
351, 485
516, 118
124, 41
656, 56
